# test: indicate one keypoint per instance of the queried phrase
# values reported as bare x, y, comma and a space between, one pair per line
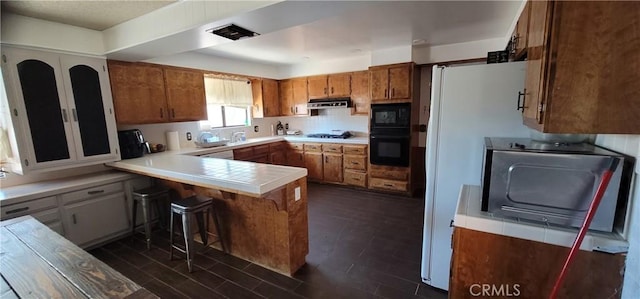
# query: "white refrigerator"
468, 103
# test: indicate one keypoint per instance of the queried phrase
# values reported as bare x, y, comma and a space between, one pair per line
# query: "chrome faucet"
237, 137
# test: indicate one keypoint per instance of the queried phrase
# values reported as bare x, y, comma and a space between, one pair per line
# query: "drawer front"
48, 216
332, 148
400, 175
297, 146
261, 150
355, 178
355, 162
392, 185
354, 149
312, 147
29, 207
92, 192
277, 147
243, 153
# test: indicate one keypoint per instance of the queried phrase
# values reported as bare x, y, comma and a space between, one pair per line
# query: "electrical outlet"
297, 193
189, 137
256, 129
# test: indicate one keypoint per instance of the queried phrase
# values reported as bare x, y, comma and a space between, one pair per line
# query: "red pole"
606, 177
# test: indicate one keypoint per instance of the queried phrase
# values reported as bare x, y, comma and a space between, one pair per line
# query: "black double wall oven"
389, 139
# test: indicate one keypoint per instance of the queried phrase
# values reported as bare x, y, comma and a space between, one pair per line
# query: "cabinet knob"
161, 113
173, 113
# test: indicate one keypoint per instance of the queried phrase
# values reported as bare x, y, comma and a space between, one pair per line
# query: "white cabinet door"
61, 108
39, 108
88, 91
87, 222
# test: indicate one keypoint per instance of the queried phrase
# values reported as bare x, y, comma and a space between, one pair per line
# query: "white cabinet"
44, 210
61, 110
93, 214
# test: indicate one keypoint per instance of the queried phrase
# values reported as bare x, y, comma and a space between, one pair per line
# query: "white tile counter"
30, 191
468, 215
250, 178
195, 151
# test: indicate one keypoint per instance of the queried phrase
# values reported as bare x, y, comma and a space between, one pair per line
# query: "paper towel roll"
173, 142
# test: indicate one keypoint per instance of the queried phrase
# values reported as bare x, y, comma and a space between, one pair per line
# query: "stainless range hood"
329, 103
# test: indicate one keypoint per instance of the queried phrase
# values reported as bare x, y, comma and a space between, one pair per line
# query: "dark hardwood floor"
361, 245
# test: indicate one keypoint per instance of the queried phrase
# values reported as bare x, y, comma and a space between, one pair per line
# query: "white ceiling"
96, 15
298, 31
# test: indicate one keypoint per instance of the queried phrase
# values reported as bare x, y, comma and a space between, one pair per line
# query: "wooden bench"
39, 263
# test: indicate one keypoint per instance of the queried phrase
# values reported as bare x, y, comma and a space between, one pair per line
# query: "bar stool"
195, 205
146, 197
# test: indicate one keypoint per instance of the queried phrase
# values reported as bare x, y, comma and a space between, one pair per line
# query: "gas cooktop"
333, 134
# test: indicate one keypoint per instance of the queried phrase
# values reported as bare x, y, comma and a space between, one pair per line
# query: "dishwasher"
220, 155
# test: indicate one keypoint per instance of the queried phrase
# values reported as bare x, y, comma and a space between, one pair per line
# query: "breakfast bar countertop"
254, 179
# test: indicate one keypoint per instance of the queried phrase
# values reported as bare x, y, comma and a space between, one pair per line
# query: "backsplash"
324, 122
630, 145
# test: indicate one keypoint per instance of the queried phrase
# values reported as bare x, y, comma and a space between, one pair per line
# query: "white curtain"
228, 92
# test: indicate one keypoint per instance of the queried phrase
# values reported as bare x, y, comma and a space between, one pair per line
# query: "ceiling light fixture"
233, 32
419, 41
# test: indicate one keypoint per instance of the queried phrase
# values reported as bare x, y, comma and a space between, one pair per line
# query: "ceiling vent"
233, 31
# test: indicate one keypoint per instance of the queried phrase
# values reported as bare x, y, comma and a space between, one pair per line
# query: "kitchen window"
229, 102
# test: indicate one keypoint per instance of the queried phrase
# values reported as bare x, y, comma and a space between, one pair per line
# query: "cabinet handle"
356, 179
93, 192
173, 113
17, 210
75, 114
325, 90
385, 93
161, 113
356, 163
521, 96
388, 185
393, 92
296, 109
451, 223
291, 110
331, 90
73, 217
514, 43
64, 115
326, 159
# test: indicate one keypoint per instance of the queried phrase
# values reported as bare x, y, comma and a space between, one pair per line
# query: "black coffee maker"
132, 144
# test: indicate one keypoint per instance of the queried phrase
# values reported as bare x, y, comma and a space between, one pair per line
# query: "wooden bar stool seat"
188, 207
146, 197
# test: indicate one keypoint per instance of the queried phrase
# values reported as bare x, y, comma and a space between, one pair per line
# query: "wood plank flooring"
361, 245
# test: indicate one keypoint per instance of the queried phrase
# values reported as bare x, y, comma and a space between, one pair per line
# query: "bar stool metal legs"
146, 197
200, 207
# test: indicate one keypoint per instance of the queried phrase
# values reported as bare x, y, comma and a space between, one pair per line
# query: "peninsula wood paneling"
484, 258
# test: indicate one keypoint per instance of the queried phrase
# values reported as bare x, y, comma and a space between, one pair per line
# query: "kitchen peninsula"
263, 207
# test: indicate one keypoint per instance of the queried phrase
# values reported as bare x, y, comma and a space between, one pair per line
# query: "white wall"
348, 64
630, 145
327, 120
392, 55
225, 65
460, 51
25, 31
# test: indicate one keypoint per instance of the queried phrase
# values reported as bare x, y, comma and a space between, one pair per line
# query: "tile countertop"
20, 193
254, 179
468, 215
195, 151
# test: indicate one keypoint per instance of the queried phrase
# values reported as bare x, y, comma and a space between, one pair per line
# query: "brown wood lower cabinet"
528, 269
295, 158
313, 162
389, 178
332, 167
355, 178
392, 185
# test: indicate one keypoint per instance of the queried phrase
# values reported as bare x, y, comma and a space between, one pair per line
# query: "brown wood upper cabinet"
334, 85
361, 101
293, 96
391, 83
138, 92
519, 37
583, 67
186, 99
149, 93
265, 98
